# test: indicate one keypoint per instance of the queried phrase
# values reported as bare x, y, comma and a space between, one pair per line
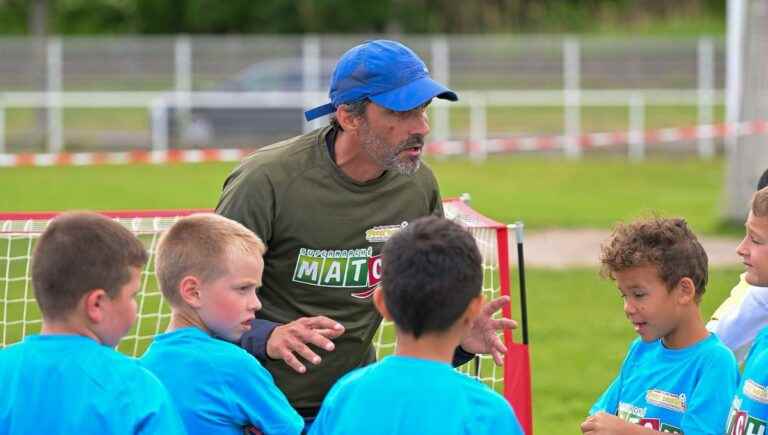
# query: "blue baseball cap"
388, 73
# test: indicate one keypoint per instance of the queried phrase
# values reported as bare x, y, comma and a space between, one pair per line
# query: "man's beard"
387, 156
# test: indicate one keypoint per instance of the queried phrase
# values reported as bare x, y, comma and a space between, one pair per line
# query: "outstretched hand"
482, 337
292, 338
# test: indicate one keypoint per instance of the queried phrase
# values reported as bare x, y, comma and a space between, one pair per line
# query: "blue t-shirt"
67, 384
674, 390
749, 411
218, 387
403, 395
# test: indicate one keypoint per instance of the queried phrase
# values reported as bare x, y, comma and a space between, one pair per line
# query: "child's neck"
67, 327
688, 332
183, 319
437, 347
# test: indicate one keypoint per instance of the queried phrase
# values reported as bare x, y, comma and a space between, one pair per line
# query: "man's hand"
482, 337
292, 338
607, 424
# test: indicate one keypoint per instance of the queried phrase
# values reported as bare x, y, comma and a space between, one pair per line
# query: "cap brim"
413, 95
319, 111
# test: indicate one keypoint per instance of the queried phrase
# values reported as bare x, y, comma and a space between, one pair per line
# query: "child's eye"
639, 295
755, 241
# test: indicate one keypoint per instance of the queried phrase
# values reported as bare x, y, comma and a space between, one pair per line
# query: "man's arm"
482, 337
289, 341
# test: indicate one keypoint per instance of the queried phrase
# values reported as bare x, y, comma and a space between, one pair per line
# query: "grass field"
544, 191
577, 329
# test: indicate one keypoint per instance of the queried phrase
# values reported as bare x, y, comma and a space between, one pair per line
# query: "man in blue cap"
324, 203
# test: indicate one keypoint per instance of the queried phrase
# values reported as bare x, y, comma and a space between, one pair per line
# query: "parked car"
247, 126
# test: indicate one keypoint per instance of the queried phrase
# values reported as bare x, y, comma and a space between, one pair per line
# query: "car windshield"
278, 75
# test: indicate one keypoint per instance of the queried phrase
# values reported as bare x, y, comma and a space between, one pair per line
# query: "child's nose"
254, 304
629, 308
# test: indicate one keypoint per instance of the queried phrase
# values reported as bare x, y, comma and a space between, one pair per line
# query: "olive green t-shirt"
324, 233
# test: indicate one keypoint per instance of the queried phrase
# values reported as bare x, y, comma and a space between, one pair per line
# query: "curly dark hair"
667, 244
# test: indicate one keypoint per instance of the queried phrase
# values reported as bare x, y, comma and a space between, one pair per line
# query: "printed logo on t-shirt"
663, 399
755, 391
636, 415
345, 268
658, 425
382, 233
741, 423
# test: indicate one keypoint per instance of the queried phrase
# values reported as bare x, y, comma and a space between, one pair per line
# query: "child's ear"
93, 302
686, 291
189, 291
378, 302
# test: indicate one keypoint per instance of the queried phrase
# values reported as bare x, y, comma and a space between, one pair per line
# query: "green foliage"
361, 16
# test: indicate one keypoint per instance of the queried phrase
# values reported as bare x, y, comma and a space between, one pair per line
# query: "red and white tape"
596, 140
451, 147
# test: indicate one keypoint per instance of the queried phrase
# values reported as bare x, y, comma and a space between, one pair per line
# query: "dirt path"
581, 248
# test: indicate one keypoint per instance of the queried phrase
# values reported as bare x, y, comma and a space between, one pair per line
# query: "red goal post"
19, 315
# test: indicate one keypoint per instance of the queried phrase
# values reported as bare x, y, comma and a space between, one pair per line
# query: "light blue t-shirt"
403, 395
218, 387
749, 410
674, 390
70, 384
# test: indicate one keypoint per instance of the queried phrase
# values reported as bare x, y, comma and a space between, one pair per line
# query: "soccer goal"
19, 315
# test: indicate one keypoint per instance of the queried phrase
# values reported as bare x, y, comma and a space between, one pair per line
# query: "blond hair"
200, 245
760, 203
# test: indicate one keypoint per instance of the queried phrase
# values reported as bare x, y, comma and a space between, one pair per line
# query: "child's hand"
604, 424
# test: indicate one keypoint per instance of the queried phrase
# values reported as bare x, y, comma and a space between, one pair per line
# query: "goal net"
20, 316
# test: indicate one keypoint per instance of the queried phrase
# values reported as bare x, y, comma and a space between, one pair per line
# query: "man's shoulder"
292, 152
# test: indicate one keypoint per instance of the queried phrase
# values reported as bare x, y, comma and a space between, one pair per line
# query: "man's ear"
378, 302
93, 302
189, 291
347, 120
686, 291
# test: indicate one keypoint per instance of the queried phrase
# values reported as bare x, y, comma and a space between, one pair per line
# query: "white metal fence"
161, 92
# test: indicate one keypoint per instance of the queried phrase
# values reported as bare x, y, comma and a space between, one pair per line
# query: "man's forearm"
255, 340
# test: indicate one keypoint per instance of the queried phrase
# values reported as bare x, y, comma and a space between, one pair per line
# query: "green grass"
543, 191
579, 337
577, 328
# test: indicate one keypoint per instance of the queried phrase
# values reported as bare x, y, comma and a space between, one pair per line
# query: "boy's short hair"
198, 245
667, 244
79, 252
431, 270
760, 203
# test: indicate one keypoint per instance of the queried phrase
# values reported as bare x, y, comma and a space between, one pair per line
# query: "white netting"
20, 316
485, 233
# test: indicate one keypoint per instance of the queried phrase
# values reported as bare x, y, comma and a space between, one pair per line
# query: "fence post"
183, 77
636, 145
311, 73
441, 66
478, 127
53, 96
572, 112
706, 94
159, 111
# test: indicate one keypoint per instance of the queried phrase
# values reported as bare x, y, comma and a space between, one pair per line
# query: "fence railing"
172, 77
